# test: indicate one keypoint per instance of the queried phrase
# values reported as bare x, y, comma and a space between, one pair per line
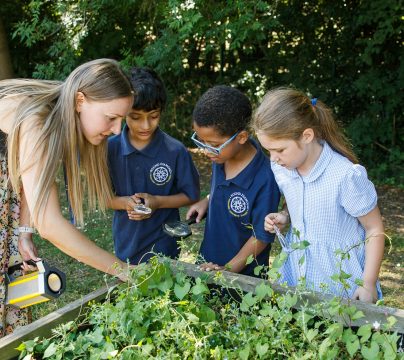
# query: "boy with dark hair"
243, 188
147, 166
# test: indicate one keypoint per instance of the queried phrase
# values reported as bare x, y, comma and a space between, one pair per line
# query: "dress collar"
320, 165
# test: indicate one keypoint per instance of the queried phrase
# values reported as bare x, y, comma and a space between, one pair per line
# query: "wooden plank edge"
372, 312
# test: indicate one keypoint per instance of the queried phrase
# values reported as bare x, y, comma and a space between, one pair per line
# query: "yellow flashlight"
39, 286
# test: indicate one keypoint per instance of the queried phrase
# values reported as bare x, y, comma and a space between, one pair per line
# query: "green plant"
160, 314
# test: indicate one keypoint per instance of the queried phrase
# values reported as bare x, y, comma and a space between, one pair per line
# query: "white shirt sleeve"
357, 193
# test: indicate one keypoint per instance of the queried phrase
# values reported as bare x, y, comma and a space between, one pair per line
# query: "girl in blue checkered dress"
329, 200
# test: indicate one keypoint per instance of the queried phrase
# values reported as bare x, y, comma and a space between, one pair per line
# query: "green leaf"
248, 301
97, 336
50, 350
352, 347
359, 314
258, 269
206, 314
29, 345
370, 352
311, 334
199, 287
301, 245
345, 275
391, 320
192, 317
296, 232
182, 291
279, 260
20, 347
249, 260
243, 354
166, 284
324, 346
261, 349
335, 277
335, 330
349, 336
365, 331
290, 300
262, 290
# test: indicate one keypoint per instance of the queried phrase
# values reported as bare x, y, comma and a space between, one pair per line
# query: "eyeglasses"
212, 149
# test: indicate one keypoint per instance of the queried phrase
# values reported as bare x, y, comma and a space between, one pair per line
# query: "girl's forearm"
374, 250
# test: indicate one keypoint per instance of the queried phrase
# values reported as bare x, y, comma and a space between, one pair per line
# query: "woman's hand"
279, 219
124, 275
27, 250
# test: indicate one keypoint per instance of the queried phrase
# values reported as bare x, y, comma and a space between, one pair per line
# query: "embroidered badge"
237, 204
160, 174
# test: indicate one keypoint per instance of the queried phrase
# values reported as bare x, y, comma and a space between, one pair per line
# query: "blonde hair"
50, 106
285, 113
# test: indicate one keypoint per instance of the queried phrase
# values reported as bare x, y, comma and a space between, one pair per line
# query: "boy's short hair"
150, 92
223, 107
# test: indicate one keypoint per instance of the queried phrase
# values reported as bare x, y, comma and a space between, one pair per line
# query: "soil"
391, 202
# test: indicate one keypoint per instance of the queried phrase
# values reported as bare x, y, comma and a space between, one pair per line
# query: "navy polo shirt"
235, 205
163, 167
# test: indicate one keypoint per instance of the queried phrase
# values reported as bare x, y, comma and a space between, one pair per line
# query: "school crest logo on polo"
238, 204
160, 174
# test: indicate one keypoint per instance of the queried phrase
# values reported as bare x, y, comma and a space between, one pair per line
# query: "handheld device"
36, 287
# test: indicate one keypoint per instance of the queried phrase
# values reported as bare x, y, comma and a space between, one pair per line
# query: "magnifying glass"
181, 229
142, 209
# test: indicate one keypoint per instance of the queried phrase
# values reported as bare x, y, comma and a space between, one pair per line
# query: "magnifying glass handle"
192, 219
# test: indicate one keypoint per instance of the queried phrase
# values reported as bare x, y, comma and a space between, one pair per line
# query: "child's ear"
243, 137
308, 135
79, 101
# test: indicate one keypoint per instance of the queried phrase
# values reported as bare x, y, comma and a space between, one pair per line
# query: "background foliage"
347, 52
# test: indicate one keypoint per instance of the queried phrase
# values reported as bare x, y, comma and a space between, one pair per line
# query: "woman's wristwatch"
26, 229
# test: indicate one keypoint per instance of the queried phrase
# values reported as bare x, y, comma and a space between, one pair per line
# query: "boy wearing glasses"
149, 167
243, 188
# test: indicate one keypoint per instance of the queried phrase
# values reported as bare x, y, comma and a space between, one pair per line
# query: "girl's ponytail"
331, 132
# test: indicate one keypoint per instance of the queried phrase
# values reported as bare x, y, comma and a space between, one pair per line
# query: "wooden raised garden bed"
42, 327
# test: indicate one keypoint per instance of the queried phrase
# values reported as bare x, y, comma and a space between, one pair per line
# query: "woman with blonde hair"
49, 125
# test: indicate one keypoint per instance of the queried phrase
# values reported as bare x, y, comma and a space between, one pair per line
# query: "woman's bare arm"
51, 224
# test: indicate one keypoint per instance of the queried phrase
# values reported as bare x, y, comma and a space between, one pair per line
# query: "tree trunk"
6, 69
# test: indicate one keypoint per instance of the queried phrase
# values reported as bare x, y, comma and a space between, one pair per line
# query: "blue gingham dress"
324, 207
